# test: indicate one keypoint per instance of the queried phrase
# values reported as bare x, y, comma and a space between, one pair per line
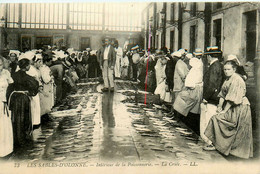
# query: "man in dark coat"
213, 78
212, 82
107, 59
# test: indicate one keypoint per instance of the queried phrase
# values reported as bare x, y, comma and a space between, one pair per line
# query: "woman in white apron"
6, 130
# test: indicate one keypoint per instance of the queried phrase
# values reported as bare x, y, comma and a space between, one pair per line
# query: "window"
193, 8
85, 43
157, 20
12, 15
45, 16
172, 11
250, 35
44, 40
26, 42
78, 16
217, 5
217, 26
123, 16
192, 38
86, 16
157, 42
172, 40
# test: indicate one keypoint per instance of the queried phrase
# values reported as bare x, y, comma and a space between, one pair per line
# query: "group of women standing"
226, 124
27, 93
32, 83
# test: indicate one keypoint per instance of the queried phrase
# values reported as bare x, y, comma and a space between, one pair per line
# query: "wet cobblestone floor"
93, 126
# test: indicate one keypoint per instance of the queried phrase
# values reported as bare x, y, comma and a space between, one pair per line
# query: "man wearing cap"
212, 82
107, 59
136, 58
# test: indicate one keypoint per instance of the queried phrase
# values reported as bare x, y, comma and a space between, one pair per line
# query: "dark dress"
80, 70
151, 79
169, 71
93, 67
13, 66
19, 104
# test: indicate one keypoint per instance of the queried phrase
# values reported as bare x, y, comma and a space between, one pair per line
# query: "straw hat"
176, 54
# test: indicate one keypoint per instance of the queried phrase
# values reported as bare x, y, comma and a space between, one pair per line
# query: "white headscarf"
27, 55
15, 52
234, 58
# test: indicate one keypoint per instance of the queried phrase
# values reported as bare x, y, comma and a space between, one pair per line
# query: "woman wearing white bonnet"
190, 97
35, 100
240, 69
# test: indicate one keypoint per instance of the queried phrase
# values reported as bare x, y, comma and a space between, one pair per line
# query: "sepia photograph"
165, 87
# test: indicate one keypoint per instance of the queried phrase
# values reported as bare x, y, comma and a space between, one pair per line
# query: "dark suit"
111, 56
213, 80
106, 66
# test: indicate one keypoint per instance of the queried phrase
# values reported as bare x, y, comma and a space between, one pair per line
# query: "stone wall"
72, 38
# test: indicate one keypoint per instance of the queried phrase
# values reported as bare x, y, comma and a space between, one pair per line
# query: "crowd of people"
32, 83
198, 84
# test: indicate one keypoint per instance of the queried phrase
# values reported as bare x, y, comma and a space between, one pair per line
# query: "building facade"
27, 26
232, 26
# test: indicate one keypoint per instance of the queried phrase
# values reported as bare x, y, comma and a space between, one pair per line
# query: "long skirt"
207, 111
124, 72
231, 132
21, 118
80, 70
6, 131
188, 100
117, 69
161, 90
47, 98
36, 110
150, 81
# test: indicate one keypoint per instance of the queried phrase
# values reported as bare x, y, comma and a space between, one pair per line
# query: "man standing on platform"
107, 59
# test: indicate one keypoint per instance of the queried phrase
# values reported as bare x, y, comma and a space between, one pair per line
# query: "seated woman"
230, 130
24, 86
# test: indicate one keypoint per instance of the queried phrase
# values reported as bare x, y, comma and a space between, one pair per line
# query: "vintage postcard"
129, 87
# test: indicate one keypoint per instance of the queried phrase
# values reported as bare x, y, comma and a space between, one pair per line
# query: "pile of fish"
160, 132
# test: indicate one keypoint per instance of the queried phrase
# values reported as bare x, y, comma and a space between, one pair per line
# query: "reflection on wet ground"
92, 126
